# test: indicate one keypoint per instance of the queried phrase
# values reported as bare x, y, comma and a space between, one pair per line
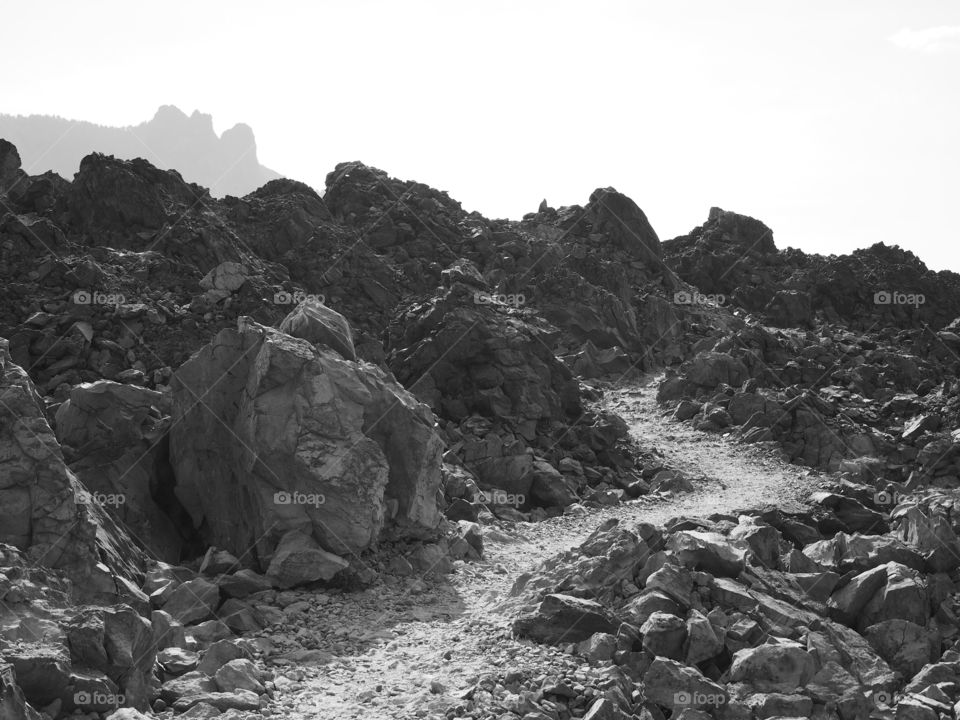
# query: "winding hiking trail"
410, 647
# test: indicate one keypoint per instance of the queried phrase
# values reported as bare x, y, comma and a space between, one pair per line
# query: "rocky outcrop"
734, 256
272, 434
46, 512
114, 437
514, 414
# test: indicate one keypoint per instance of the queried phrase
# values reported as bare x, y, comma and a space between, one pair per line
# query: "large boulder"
563, 618
622, 221
778, 666
272, 434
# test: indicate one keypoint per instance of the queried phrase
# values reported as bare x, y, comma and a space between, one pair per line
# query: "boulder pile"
838, 610
882, 405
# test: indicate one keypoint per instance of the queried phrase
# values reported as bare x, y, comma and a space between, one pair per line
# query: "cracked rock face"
44, 510
272, 434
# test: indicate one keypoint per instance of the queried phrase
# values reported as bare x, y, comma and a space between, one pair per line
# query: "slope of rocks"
229, 425
845, 611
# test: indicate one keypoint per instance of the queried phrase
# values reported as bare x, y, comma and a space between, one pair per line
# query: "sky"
837, 124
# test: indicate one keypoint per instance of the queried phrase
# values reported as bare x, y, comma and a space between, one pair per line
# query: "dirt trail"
438, 639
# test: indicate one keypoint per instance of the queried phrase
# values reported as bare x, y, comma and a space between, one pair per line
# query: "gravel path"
409, 648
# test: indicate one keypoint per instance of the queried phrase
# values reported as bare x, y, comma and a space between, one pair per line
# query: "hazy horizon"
830, 124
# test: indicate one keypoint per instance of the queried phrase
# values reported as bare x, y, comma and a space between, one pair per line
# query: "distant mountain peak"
227, 164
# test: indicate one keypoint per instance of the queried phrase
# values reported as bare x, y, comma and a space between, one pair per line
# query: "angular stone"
770, 705
563, 618
849, 601
167, 632
237, 700
192, 683
834, 684
193, 601
728, 593
708, 551
229, 276
702, 640
243, 583
906, 646
239, 674
904, 597
671, 684
942, 672
599, 647
763, 540
218, 562
299, 560
218, 655
664, 635
781, 666
316, 323
177, 661
642, 606
673, 581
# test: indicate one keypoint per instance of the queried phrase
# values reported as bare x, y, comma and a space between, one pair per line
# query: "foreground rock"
726, 617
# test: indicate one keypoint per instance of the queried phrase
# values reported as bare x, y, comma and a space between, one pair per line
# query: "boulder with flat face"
314, 322
562, 618
778, 666
272, 434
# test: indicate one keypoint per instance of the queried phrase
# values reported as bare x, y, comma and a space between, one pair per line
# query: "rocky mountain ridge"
171, 139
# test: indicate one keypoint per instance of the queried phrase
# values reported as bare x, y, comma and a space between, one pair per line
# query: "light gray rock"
778, 666
316, 323
193, 601
239, 674
299, 559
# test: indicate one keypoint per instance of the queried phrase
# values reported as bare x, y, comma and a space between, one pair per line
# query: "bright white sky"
837, 124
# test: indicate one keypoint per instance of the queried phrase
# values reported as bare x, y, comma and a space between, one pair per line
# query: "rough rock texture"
46, 512
272, 434
720, 615
115, 436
